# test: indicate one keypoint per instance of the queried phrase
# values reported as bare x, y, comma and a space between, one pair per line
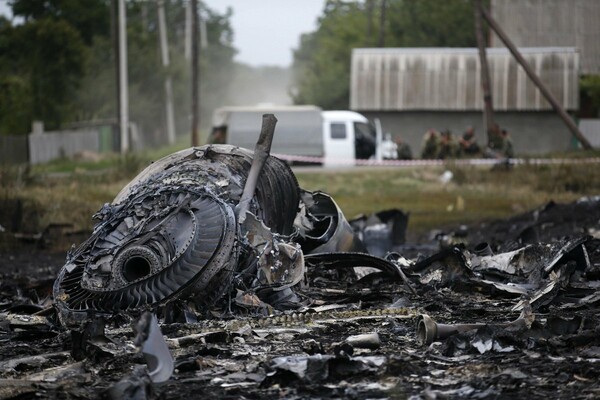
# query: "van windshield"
364, 142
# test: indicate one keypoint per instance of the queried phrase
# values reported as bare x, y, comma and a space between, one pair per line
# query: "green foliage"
58, 66
590, 87
322, 61
90, 18
41, 63
430, 23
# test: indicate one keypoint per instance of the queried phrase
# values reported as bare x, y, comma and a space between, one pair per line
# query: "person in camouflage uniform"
507, 145
495, 142
430, 144
468, 143
448, 147
403, 149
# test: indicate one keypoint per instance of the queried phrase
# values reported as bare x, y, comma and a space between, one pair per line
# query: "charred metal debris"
216, 271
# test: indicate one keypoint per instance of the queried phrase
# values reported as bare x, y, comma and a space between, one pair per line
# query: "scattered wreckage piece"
429, 331
155, 349
536, 272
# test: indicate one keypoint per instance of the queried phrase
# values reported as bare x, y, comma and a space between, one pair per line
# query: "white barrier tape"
420, 162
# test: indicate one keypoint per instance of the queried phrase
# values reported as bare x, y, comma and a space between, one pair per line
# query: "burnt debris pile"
185, 289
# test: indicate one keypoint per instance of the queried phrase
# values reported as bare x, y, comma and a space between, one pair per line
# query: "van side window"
338, 131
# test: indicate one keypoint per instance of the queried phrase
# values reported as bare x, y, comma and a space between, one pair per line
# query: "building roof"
396, 79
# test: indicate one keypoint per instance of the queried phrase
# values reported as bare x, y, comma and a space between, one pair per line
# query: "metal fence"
48, 146
37, 148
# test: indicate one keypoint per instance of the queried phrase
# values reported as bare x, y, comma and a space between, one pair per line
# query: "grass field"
69, 192
474, 194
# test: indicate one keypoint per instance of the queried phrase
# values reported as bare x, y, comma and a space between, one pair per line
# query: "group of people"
443, 145
396, 149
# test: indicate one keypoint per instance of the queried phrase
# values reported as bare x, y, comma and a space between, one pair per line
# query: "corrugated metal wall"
535, 23
52, 145
449, 79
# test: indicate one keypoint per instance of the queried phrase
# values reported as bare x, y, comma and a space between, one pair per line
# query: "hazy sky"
266, 31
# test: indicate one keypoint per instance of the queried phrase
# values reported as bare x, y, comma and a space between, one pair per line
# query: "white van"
303, 133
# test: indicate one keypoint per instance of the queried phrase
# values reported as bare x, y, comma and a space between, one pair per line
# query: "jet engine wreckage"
191, 227
263, 289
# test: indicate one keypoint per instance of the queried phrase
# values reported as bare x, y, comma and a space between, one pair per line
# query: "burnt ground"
308, 353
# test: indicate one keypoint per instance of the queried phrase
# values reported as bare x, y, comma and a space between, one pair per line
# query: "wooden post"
536, 80
488, 105
195, 80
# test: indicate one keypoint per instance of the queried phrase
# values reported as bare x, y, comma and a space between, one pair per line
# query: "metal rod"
261, 153
488, 106
536, 80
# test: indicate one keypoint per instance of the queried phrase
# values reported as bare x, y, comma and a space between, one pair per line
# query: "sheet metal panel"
298, 131
449, 79
49, 146
535, 23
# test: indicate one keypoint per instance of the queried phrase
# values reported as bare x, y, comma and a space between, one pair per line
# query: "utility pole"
369, 6
381, 38
488, 107
164, 50
122, 72
535, 79
195, 80
188, 31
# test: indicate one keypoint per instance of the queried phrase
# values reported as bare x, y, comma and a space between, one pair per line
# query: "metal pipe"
483, 249
261, 153
429, 331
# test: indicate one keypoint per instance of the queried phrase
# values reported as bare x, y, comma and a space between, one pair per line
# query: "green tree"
322, 61
90, 17
42, 62
590, 94
430, 23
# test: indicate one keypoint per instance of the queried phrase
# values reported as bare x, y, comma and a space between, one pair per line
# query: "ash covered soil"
356, 338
